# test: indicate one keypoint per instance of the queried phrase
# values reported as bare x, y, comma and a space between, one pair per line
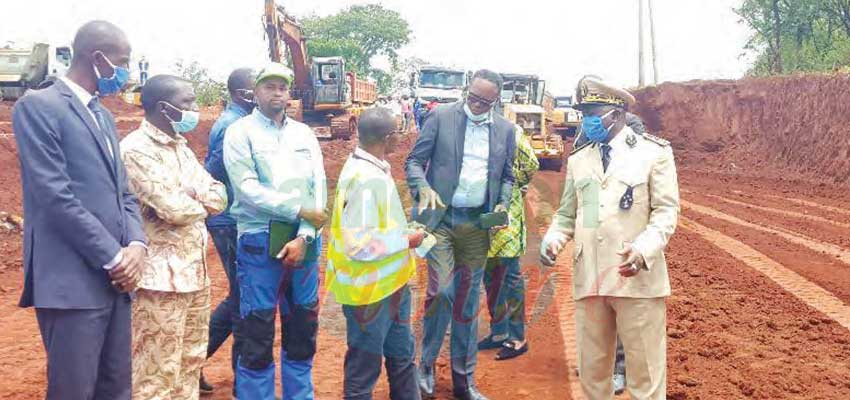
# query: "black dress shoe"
425, 378
470, 393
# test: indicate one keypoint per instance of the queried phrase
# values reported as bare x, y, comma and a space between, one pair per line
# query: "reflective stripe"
363, 282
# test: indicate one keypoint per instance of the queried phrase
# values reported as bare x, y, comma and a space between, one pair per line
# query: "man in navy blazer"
467, 150
84, 246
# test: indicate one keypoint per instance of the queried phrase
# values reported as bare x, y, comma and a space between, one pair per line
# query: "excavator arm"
281, 28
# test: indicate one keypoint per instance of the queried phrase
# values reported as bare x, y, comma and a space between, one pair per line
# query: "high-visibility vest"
364, 282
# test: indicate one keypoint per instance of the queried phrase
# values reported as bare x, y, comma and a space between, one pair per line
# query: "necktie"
100, 118
605, 149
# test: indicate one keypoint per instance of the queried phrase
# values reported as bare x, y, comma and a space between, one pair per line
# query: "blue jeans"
505, 297
224, 320
374, 332
266, 285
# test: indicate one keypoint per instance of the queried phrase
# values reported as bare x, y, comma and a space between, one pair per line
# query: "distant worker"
275, 168
224, 320
503, 278
84, 245
460, 172
143, 71
172, 306
620, 204
406, 113
369, 238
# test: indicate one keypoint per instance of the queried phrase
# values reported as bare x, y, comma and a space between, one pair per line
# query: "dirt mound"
782, 127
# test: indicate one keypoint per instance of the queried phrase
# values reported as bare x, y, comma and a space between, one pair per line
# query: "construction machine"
443, 85
323, 94
526, 103
31, 67
565, 118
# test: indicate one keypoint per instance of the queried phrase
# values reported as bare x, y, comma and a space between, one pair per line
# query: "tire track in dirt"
811, 294
733, 333
804, 208
567, 314
812, 244
812, 204
786, 213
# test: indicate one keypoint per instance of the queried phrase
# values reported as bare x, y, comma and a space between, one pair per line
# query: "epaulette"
577, 149
655, 139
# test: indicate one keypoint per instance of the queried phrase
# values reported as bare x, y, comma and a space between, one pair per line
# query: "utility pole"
652, 41
640, 44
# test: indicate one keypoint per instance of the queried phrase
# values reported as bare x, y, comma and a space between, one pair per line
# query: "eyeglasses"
472, 97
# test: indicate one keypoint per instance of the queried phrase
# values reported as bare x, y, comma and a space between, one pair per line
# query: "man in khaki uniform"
620, 205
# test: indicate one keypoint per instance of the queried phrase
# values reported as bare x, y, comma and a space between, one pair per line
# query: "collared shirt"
85, 97
274, 172
472, 185
618, 147
214, 162
159, 169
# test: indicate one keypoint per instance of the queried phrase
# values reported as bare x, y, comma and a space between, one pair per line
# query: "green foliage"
208, 90
358, 34
813, 35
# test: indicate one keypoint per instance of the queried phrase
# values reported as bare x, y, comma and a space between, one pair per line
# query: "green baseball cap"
275, 70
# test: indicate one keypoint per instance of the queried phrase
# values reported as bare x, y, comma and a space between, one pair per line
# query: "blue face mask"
593, 129
113, 84
188, 120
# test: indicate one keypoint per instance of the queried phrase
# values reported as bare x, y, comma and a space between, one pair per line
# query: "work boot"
203, 386
425, 378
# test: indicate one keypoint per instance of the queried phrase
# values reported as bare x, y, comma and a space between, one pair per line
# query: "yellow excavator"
324, 95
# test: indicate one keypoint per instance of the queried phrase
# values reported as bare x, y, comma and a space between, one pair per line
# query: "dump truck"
565, 118
323, 94
524, 101
31, 67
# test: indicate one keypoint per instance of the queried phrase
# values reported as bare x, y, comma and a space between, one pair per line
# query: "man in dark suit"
459, 169
84, 247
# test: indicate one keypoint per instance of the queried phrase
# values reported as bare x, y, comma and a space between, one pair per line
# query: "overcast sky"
560, 40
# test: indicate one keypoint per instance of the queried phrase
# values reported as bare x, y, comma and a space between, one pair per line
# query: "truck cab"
31, 67
443, 85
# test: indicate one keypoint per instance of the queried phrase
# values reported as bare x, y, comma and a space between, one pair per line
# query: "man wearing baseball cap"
275, 167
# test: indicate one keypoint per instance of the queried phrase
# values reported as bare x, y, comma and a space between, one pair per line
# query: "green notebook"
281, 233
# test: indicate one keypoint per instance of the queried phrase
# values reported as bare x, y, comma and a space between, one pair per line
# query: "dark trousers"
505, 297
224, 320
455, 270
374, 332
88, 351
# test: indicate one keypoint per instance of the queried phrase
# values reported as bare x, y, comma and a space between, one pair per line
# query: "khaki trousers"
642, 327
170, 335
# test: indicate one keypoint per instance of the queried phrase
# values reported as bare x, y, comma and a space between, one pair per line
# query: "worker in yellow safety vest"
370, 261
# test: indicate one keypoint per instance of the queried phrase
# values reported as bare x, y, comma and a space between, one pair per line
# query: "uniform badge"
631, 140
628, 199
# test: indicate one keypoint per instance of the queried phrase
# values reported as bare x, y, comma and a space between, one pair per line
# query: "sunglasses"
472, 97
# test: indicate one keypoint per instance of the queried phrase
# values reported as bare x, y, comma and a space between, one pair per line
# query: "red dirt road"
759, 276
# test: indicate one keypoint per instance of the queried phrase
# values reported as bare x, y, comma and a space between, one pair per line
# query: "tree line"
797, 35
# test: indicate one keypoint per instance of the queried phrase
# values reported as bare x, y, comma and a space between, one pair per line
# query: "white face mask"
479, 118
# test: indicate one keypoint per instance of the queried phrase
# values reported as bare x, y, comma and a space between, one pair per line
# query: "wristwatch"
308, 240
